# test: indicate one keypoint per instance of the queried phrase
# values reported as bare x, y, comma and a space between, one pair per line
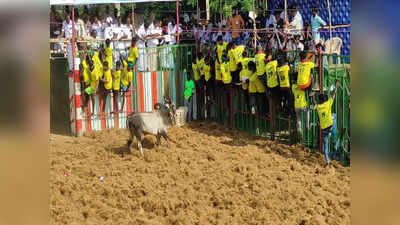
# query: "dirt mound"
210, 175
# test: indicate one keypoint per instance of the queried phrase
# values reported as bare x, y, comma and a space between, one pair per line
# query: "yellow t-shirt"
86, 73
117, 80
133, 54
299, 97
325, 114
94, 77
304, 72
206, 71
272, 78
218, 75
245, 73
283, 74
195, 72
232, 63
226, 73
220, 50
108, 79
255, 85
200, 64
260, 63
238, 53
97, 61
125, 74
108, 52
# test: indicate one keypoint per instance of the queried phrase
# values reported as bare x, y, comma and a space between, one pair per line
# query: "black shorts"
275, 92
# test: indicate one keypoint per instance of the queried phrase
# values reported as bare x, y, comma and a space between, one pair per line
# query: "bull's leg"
165, 136
130, 141
139, 140
158, 136
140, 147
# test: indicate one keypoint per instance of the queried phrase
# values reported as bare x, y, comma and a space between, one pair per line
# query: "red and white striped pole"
76, 115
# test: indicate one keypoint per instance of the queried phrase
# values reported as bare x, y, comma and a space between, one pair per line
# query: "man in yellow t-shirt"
284, 82
221, 46
327, 121
271, 80
116, 83
126, 78
238, 53
133, 52
196, 74
107, 81
84, 70
206, 72
305, 79
256, 89
109, 54
94, 83
300, 105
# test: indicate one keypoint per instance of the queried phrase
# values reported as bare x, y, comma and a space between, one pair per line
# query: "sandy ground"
209, 175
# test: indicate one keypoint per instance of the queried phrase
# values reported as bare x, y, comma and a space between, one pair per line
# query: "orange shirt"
236, 22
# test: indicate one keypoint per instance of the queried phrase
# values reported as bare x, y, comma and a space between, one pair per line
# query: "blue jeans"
237, 40
325, 138
189, 105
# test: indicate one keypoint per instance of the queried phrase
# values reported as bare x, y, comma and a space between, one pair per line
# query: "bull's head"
171, 112
168, 109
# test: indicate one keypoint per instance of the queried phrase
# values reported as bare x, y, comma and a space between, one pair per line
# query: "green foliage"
224, 6
160, 10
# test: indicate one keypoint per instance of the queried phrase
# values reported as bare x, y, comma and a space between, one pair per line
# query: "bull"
154, 123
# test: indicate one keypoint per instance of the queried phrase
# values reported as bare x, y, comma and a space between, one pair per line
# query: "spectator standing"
235, 23
260, 20
141, 45
188, 93
297, 21
66, 32
81, 31
316, 23
154, 32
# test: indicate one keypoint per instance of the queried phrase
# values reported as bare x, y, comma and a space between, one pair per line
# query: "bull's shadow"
148, 143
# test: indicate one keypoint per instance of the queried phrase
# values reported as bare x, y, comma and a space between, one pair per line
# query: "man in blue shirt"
316, 23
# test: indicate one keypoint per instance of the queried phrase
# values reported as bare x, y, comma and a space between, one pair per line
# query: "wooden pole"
177, 21
330, 23
286, 16
178, 103
133, 20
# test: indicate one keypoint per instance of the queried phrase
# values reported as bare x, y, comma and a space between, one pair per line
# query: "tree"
224, 6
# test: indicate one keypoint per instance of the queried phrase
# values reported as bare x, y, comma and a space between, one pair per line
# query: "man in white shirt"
66, 32
271, 20
141, 45
154, 32
173, 33
297, 21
